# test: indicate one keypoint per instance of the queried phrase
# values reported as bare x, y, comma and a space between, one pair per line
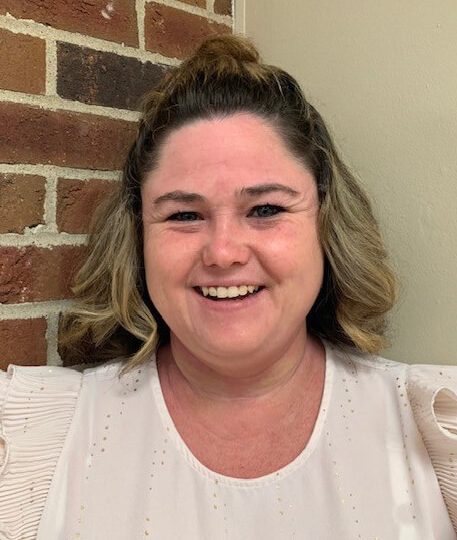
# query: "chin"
231, 346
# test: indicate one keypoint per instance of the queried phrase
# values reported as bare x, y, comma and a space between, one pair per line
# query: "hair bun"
237, 47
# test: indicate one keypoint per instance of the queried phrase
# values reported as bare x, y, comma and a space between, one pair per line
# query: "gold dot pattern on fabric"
336, 441
404, 404
342, 482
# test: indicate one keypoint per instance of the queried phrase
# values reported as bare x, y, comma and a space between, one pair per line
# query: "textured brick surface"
77, 201
23, 342
21, 202
114, 20
175, 33
103, 78
31, 274
33, 135
22, 63
223, 7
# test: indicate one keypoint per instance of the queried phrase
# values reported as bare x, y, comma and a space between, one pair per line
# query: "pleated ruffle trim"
432, 391
36, 408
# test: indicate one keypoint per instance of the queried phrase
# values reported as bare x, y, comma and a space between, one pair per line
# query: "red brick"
104, 78
223, 7
23, 342
33, 274
22, 63
21, 202
176, 33
77, 201
33, 135
91, 17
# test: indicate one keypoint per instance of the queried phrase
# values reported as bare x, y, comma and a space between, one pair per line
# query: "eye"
266, 210
184, 216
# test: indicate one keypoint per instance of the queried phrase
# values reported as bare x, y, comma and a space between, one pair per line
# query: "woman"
240, 284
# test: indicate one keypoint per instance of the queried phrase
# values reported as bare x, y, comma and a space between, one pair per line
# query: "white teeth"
222, 292
232, 292
229, 292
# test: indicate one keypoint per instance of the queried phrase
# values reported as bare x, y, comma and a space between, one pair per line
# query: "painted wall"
384, 75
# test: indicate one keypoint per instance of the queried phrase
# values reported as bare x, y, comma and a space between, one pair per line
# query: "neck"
244, 380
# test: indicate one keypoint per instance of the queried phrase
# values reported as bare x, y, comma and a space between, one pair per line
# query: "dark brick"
22, 63
104, 78
176, 33
21, 202
33, 274
33, 135
23, 342
223, 7
91, 17
77, 201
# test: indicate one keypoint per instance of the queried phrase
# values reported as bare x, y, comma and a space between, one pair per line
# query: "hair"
114, 316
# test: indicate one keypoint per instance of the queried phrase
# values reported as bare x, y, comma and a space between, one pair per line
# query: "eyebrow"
262, 189
179, 196
252, 191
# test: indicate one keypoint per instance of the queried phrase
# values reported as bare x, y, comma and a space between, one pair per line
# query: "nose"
226, 244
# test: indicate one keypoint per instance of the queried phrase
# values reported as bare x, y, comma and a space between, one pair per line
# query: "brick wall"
71, 77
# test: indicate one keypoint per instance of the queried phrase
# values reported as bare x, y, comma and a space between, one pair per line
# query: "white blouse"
91, 456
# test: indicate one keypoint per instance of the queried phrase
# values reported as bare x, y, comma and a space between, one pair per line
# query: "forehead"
238, 149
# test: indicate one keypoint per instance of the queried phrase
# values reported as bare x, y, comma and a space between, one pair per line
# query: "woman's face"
229, 211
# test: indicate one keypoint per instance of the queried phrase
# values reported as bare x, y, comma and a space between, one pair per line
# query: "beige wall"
384, 75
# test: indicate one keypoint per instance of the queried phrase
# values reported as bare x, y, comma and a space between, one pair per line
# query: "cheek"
167, 258
294, 249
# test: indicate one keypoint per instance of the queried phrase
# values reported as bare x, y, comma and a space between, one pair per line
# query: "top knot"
238, 48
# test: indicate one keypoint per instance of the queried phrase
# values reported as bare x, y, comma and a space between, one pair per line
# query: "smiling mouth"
229, 293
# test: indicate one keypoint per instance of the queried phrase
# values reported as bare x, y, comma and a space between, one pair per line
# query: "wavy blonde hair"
114, 317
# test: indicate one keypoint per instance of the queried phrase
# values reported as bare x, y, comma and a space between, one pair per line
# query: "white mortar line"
46, 32
223, 19
51, 67
60, 172
55, 103
50, 204
34, 237
210, 6
52, 332
33, 310
89, 178
140, 13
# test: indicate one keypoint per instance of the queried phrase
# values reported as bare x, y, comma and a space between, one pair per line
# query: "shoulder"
58, 376
107, 378
432, 392
52, 387
415, 375
36, 388
369, 372
38, 379
423, 388
428, 396
37, 405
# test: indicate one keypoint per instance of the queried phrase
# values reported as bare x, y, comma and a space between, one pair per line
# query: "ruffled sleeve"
36, 408
432, 391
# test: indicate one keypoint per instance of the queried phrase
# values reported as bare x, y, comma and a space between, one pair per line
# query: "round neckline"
275, 476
